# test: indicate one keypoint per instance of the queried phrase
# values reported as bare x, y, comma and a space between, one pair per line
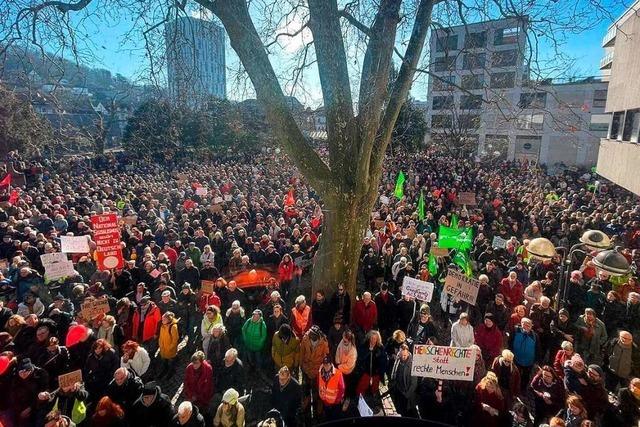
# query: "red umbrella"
76, 334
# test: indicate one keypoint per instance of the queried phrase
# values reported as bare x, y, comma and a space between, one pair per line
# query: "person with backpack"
168, 343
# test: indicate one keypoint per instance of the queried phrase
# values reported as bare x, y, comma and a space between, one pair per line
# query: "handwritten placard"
466, 198
499, 242
94, 308
418, 289
207, 286
443, 362
439, 252
462, 287
68, 380
74, 244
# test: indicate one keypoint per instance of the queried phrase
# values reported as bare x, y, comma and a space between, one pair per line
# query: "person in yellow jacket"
168, 344
330, 389
285, 348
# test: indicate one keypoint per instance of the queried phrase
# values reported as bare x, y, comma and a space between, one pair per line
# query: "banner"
94, 308
74, 244
67, 380
466, 198
207, 286
499, 242
418, 289
462, 287
443, 362
107, 237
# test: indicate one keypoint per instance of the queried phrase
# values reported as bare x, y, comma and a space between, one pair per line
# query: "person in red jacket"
512, 290
365, 313
171, 254
198, 382
285, 272
146, 323
206, 299
489, 339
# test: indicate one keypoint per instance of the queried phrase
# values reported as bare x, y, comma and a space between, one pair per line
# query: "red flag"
290, 200
13, 198
6, 181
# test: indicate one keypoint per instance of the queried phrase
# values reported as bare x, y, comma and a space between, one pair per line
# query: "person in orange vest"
300, 317
330, 389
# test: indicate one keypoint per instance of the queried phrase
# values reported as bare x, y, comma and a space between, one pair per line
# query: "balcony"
605, 63
609, 39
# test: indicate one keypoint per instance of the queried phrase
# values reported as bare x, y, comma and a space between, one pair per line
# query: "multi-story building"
619, 156
195, 60
480, 97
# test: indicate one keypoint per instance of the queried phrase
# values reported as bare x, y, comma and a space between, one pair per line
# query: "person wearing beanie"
27, 383
230, 412
313, 347
285, 348
489, 338
153, 408
594, 394
575, 375
254, 335
187, 311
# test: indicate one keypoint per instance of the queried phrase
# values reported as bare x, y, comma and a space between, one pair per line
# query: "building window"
506, 36
446, 42
616, 125
504, 58
631, 126
502, 80
443, 82
530, 121
473, 81
441, 121
533, 100
442, 102
475, 40
472, 61
471, 102
599, 122
445, 63
468, 121
599, 98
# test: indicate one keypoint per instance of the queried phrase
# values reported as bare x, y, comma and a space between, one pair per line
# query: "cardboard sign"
94, 308
443, 362
201, 191
207, 286
499, 243
130, 219
384, 200
67, 380
462, 287
58, 270
74, 244
217, 200
107, 238
466, 198
439, 252
418, 289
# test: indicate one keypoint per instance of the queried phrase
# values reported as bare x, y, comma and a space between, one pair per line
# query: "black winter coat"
286, 400
126, 394
98, 372
159, 414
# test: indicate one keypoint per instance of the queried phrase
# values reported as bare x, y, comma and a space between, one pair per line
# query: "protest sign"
74, 244
460, 286
443, 362
384, 200
154, 273
217, 200
201, 191
499, 242
107, 238
207, 286
418, 289
130, 219
58, 270
52, 258
439, 252
466, 198
93, 308
228, 198
68, 380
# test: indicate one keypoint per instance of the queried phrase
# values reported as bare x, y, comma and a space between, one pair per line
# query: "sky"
127, 57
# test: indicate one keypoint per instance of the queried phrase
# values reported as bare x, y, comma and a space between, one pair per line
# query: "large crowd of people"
546, 354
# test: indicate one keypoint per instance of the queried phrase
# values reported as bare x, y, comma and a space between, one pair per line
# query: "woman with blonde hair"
111, 331
490, 408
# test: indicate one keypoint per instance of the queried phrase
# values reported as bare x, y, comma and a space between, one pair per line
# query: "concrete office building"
481, 93
195, 60
619, 156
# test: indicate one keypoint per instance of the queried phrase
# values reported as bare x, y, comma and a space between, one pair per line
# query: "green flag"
433, 265
421, 206
454, 221
591, 187
399, 191
461, 259
594, 169
455, 238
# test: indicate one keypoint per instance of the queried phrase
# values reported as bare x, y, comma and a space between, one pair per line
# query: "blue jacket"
524, 347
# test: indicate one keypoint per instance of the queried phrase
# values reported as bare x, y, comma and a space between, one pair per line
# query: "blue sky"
129, 60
